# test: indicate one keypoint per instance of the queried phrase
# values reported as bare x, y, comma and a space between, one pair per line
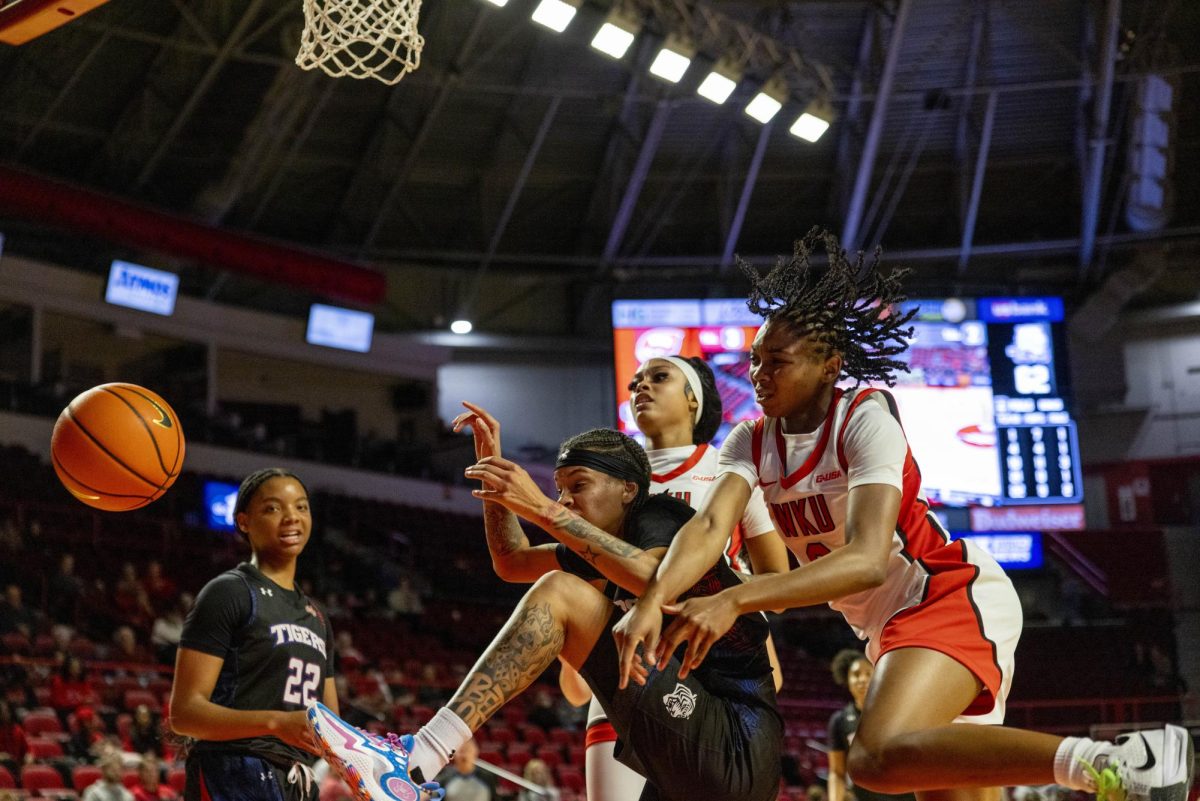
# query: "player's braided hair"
842, 662
849, 309
618, 446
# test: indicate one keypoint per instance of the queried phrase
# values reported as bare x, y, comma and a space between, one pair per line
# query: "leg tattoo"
526, 646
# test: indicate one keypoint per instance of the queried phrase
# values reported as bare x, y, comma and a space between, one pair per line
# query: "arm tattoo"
563, 519
526, 646
504, 534
589, 555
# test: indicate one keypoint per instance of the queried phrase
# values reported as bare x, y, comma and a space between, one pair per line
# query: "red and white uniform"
947, 596
688, 473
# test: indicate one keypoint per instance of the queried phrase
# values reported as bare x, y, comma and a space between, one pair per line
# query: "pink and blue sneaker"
374, 768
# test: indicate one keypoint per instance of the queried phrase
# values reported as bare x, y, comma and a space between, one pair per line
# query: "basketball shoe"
1153, 765
375, 768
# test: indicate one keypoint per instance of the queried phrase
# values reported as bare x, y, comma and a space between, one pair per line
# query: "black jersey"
277, 646
739, 657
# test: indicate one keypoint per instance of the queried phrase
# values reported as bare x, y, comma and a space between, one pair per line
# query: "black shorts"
232, 776
689, 742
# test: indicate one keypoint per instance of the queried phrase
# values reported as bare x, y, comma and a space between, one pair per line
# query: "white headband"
689, 374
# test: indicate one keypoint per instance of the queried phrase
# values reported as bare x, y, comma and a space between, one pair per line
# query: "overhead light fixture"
766, 104
498, 3
720, 82
555, 14
617, 33
814, 122
673, 59
461, 326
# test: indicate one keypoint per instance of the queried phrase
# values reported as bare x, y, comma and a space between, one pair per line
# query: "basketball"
117, 447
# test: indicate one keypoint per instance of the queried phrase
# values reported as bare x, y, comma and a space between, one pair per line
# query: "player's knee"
560, 589
878, 765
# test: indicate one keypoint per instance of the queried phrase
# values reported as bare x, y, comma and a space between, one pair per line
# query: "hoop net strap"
361, 38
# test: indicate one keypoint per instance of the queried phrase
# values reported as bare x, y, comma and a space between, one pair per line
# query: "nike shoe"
1153, 765
374, 768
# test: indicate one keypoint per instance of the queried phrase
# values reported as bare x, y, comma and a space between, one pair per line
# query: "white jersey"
806, 480
689, 473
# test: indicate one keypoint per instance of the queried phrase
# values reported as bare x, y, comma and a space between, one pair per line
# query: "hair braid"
614, 443
848, 308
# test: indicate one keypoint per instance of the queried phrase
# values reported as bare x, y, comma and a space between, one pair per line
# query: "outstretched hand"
484, 427
698, 621
509, 485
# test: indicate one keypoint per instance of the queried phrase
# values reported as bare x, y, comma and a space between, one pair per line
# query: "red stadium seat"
43, 748
501, 735
550, 755
7, 782
534, 735
575, 754
36, 778
16, 643
492, 755
124, 725
130, 778
571, 778
563, 737
84, 776
177, 778
39, 723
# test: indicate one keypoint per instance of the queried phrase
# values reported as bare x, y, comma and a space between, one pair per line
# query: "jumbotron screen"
984, 404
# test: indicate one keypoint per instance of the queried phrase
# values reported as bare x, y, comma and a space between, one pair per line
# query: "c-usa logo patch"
681, 702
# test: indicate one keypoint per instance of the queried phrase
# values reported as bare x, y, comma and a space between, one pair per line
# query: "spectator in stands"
88, 738
15, 616
64, 591
463, 780
160, 590
404, 601
126, 648
145, 733
98, 614
149, 786
69, 689
851, 669
538, 772
543, 713
14, 746
168, 628
109, 787
348, 655
130, 599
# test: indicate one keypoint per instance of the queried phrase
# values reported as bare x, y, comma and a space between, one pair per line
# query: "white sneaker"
1153, 765
374, 768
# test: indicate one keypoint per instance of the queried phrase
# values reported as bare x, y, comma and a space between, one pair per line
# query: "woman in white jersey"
940, 618
676, 405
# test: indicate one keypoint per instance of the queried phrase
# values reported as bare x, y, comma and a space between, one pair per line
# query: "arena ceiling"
515, 158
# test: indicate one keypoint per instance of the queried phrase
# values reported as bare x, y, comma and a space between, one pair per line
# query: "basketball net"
361, 38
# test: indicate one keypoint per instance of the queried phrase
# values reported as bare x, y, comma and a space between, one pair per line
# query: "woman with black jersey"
255, 652
610, 534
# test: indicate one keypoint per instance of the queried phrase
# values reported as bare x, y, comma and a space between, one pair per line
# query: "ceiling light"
499, 3
766, 104
616, 34
814, 122
555, 14
461, 326
719, 83
673, 59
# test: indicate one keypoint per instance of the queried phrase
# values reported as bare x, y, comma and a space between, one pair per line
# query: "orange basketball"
117, 447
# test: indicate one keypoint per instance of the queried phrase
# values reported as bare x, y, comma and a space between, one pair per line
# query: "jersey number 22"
301, 687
